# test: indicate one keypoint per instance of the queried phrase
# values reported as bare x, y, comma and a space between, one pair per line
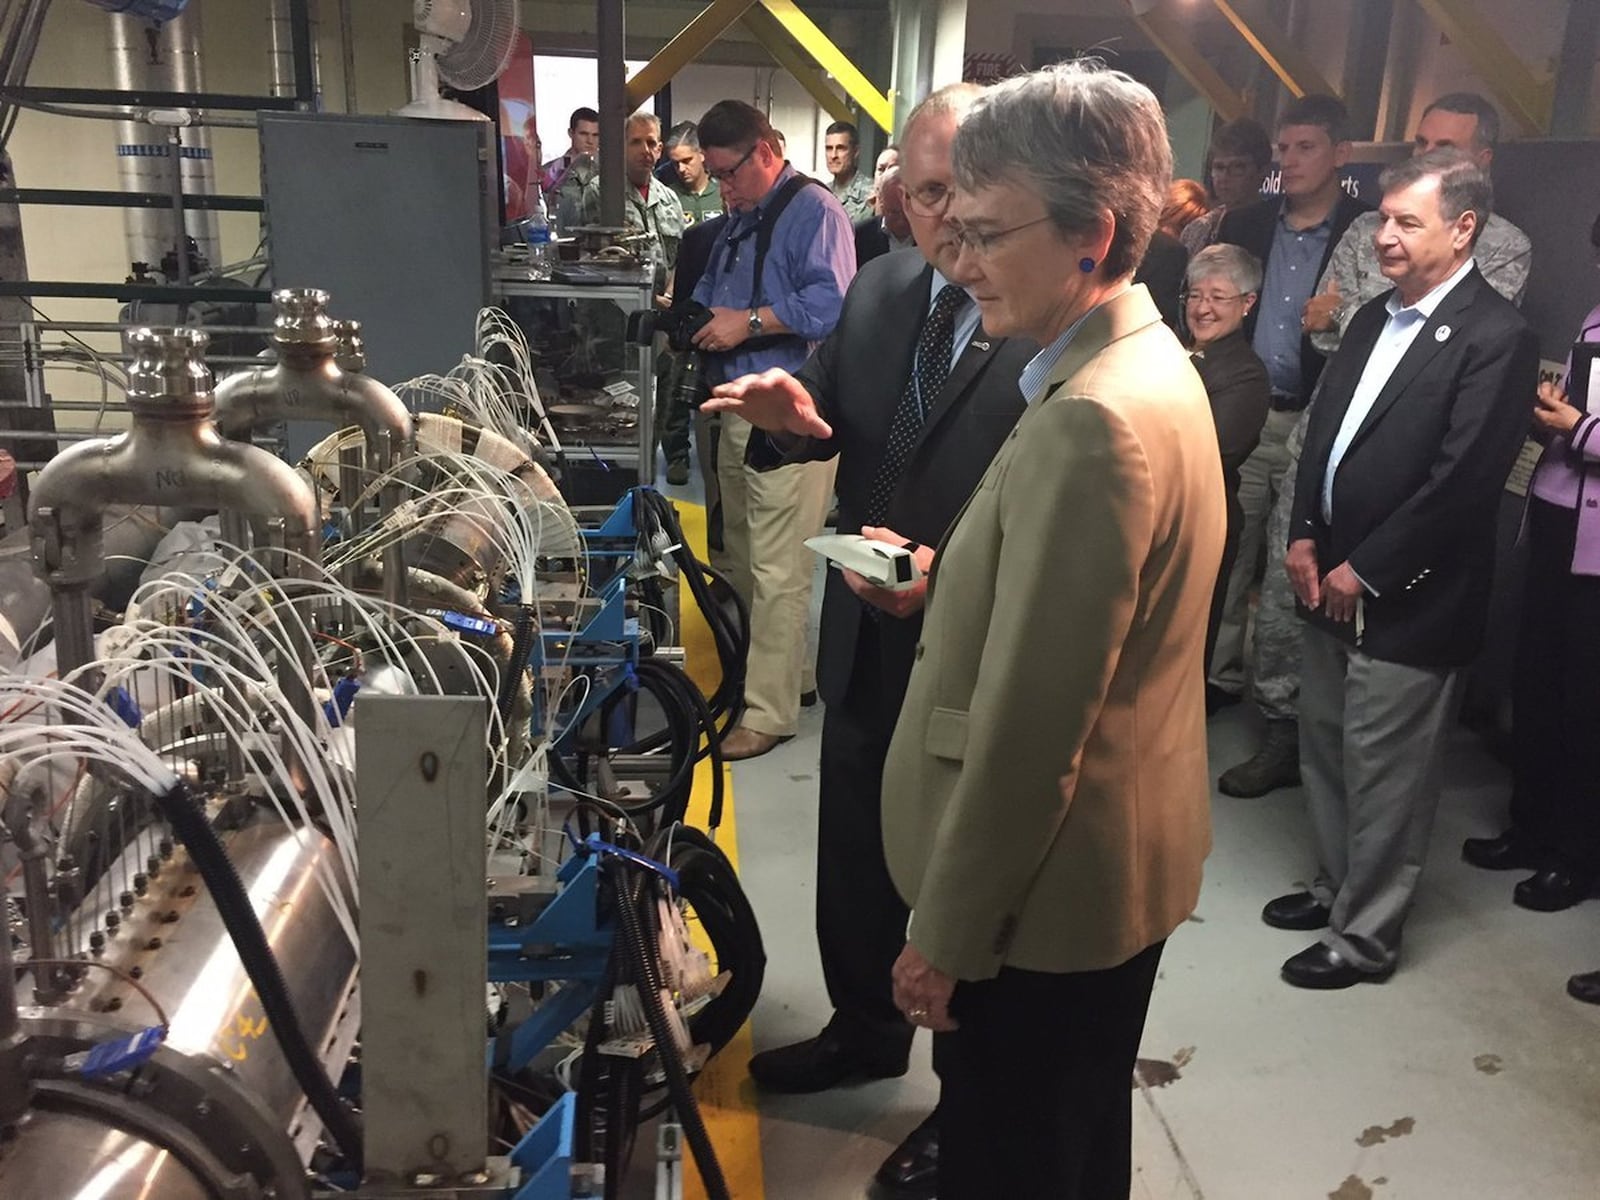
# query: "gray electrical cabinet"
394, 217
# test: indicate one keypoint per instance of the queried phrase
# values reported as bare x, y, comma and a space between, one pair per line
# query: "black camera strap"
766, 223
765, 226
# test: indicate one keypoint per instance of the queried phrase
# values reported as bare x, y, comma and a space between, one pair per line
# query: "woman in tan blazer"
1045, 800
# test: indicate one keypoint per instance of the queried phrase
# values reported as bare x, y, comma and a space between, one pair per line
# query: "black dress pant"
1555, 798
861, 920
1035, 1093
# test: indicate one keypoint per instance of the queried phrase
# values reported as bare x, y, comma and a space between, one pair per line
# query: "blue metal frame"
545, 1153
567, 941
607, 646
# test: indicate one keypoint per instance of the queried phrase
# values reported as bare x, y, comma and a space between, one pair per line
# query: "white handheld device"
888, 566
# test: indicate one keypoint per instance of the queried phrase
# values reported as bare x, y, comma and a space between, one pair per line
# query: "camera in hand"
679, 323
686, 376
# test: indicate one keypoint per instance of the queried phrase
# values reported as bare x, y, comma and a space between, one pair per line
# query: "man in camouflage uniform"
850, 187
653, 207
699, 194
1504, 255
650, 205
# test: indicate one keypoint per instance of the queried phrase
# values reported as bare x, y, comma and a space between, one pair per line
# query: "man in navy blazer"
1420, 417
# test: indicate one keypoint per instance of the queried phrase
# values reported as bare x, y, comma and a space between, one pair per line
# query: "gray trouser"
1260, 480
1275, 673
1372, 737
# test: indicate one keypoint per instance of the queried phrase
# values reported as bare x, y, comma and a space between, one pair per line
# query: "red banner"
519, 141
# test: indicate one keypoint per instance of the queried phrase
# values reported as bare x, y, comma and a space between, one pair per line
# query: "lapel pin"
980, 345
1442, 333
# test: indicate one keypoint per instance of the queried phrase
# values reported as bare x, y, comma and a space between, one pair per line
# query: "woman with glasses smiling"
1045, 797
1220, 288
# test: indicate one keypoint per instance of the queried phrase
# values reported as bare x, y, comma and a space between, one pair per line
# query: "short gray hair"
1086, 139
1463, 185
643, 118
1238, 265
954, 99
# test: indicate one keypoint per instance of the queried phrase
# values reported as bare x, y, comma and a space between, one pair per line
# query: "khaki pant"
766, 518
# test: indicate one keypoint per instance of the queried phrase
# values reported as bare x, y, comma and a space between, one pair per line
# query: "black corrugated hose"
708, 882
192, 828
730, 632
629, 896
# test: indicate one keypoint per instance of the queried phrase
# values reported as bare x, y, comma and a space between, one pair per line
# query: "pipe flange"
169, 377
302, 321
350, 351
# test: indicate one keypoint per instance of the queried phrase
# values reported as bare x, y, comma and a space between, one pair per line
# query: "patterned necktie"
930, 368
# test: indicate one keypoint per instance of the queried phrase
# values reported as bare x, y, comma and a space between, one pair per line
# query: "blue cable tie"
594, 845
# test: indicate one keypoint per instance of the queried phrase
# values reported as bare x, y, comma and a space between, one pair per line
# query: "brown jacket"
1046, 795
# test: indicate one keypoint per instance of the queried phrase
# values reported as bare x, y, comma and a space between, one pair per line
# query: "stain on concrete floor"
1489, 1064
1158, 1072
1376, 1135
1353, 1188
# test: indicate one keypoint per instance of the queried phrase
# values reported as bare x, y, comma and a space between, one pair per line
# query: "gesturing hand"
774, 401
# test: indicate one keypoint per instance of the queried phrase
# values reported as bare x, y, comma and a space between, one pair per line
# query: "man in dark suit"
915, 399
1294, 240
887, 229
1391, 552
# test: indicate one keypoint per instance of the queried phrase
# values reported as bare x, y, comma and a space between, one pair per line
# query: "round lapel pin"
1442, 333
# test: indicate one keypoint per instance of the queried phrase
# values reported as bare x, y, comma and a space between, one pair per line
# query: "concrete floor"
1469, 1074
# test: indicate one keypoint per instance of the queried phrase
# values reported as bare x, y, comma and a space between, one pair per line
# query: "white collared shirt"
1399, 332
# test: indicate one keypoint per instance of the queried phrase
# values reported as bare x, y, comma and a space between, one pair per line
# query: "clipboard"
1583, 380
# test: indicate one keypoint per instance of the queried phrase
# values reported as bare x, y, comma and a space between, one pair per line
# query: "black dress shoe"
1321, 967
1585, 987
1508, 852
1297, 910
807, 699
1553, 889
819, 1063
912, 1171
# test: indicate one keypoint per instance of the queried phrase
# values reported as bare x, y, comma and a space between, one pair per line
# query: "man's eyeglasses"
929, 200
1215, 299
724, 176
983, 243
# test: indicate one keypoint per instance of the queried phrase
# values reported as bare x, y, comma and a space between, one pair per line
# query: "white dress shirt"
1398, 333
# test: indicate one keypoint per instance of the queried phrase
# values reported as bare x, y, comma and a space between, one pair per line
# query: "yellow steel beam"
1176, 42
1527, 98
770, 34
1271, 42
685, 48
832, 60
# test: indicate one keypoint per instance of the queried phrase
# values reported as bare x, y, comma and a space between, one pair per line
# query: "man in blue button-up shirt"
757, 325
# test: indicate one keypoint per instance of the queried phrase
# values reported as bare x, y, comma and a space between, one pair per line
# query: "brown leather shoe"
743, 742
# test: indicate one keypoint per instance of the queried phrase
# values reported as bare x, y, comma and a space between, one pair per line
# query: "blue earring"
1086, 265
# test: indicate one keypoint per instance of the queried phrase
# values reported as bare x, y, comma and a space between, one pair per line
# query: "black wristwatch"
755, 321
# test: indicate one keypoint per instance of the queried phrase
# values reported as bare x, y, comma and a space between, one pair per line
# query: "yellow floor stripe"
723, 1089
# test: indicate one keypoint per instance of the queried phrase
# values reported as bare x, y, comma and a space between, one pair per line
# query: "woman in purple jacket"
1555, 799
